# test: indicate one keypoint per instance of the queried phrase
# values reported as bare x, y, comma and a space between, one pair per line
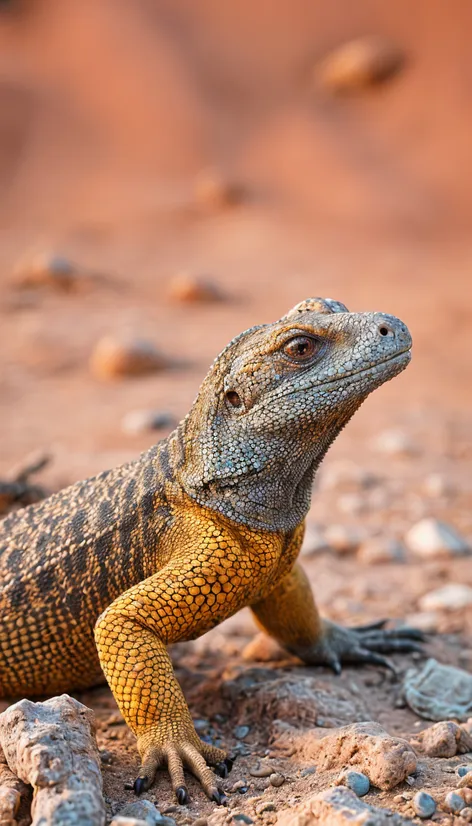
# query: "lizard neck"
265, 490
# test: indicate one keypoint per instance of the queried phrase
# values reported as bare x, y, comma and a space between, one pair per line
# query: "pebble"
144, 810
430, 538
394, 443
358, 782
213, 189
359, 64
262, 770
466, 814
46, 269
267, 806
242, 818
186, 288
240, 786
450, 598
240, 732
115, 357
453, 802
463, 770
276, 779
342, 539
381, 549
306, 772
106, 756
424, 805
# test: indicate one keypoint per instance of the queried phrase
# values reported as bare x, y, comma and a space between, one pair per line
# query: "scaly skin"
206, 522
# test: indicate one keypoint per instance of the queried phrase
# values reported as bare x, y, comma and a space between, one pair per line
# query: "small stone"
306, 772
424, 805
359, 64
430, 538
262, 770
445, 739
186, 288
394, 443
313, 541
436, 485
381, 549
358, 782
46, 270
242, 818
426, 621
105, 756
463, 770
240, 732
453, 802
119, 357
240, 786
450, 597
145, 421
342, 539
266, 806
276, 779
143, 810
466, 814
214, 190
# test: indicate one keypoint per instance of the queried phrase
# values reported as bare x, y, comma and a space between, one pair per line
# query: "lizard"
102, 576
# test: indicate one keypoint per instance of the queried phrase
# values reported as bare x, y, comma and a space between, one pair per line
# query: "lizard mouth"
400, 359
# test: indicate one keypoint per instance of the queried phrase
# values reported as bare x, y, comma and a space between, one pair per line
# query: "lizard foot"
178, 753
361, 644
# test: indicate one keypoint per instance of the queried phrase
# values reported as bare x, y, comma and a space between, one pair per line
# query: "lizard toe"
182, 795
141, 784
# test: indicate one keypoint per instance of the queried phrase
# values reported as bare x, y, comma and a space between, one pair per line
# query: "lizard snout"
392, 333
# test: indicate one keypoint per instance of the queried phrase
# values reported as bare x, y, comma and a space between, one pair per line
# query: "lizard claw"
182, 795
219, 798
141, 784
361, 644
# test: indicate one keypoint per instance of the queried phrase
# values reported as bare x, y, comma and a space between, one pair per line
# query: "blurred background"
172, 173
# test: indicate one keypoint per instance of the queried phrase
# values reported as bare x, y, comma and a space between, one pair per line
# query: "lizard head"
276, 398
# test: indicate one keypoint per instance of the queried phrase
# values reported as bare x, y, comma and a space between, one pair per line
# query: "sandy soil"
109, 113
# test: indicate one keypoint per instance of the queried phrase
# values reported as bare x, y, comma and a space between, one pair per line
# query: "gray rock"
453, 802
358, 782
450, 597
463, 770
276, 780
339, 806
424, 805
439, 692
430, 538
52, 746
240, 732
143, 810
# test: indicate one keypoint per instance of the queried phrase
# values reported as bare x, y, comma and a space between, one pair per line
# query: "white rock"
450, 598
394, 443
431, 538
313, 541
435, 485
379, 549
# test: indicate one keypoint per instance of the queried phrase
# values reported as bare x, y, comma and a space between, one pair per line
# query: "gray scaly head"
274, 401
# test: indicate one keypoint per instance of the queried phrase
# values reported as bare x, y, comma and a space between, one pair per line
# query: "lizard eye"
233, 398
301, 348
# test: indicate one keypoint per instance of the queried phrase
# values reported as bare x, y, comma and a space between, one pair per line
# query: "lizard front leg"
290, 616
190, 595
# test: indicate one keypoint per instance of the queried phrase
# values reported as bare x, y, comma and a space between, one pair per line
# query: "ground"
365, 200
